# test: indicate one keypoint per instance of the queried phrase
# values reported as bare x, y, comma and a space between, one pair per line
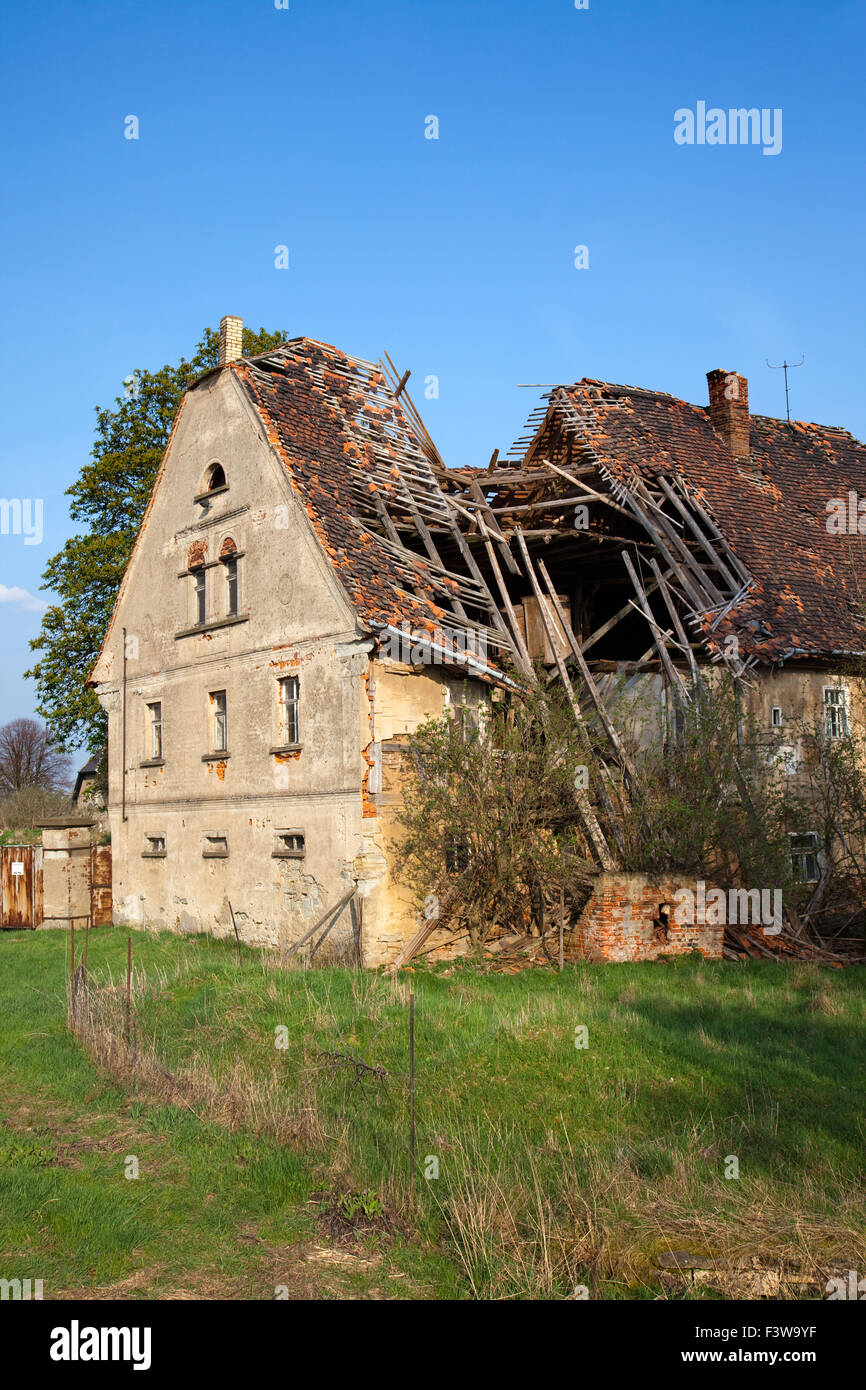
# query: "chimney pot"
231, 339
729, 410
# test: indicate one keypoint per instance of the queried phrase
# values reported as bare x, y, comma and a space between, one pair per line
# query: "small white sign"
17, 868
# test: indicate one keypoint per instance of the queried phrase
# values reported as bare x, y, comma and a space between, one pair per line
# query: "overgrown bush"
22, 811
497, 813
497, 809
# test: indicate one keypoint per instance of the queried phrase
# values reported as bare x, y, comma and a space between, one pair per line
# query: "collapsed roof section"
738, 521
366, 470
704, 528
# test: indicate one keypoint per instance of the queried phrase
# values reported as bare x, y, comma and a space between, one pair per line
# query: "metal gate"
20, 885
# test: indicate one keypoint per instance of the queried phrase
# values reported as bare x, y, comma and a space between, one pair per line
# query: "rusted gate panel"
17, 887
100, 885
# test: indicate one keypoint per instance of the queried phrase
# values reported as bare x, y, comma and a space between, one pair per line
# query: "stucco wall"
294, 619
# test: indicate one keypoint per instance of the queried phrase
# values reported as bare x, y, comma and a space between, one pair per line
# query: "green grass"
557, 1165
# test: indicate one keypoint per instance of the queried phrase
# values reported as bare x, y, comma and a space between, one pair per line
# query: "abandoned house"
310, 582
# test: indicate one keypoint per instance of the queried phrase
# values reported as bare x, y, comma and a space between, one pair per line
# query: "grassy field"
268, 1113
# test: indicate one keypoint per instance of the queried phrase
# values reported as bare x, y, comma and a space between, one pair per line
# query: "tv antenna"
785, 367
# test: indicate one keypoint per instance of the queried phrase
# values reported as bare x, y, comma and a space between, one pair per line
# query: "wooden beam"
590, 820
672, 672
616, 741
675, 618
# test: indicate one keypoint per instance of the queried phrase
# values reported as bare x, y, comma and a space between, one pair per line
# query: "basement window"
776, 717
804, 856
289, 844
154, 847
214, 845
457, 854
836, 711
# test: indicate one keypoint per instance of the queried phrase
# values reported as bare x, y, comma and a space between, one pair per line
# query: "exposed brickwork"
622, 922
231, 339
729, 410
196, 555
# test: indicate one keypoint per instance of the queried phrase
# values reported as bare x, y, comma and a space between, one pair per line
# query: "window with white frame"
219, 721
776, 717
154, 722
290, 728
804, 856
836, 711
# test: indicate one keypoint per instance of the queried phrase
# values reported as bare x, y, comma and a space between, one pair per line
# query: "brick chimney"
231, 339
729, 410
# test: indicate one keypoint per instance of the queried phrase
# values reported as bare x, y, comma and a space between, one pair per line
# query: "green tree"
109, 497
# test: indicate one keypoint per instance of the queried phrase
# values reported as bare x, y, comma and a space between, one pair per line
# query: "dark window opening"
290, 844
456, 855
216, 478
804, 857
200, 597
231, 569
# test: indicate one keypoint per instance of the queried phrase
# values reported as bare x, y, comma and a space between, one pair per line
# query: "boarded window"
214, 845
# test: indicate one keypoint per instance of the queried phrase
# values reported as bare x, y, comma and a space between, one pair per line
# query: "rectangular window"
154, 847
290, 731
154, 712
220, 721
804, 856
200, 602
215, 845
776, 717
231, 567
836, 711
468, 719
289, 844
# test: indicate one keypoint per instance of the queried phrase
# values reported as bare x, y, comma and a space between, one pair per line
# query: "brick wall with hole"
632, 917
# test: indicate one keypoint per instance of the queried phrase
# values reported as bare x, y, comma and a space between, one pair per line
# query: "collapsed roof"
366, 471
706, 525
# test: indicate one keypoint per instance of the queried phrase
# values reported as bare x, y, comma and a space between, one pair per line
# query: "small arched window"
216, 478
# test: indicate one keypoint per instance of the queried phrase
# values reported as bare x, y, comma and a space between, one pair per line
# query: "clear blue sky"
305, 127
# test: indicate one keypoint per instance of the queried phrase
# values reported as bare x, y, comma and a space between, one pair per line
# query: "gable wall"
297, 621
